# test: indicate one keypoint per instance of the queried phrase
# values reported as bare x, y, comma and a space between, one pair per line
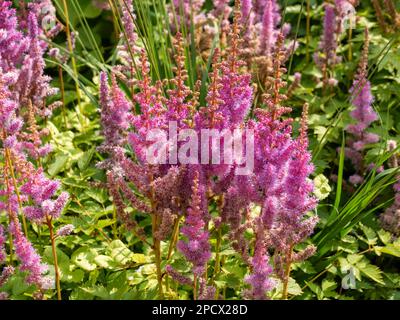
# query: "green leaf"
69, 275
58, 165
105, 262
100, 195
389, 249
62, 258
293, 288
321, 187
120, 252
85, 159
84, 258
370, 234
372, 272
328, 285
385, 236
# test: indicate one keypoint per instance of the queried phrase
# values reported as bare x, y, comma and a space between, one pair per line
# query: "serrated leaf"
372, 272
354, 258
385, 236
328, 285
370, 234
389, 249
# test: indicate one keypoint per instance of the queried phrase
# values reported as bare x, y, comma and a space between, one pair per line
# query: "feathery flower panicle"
42, 191
196, 249
177, 104
128, 51
30, 259
183, 11
247, 14
279, 186
45, 12
65, 230
2, 245
259, 279
345, 14
6, 274
236, 91
114, 118
363, 114
178, 277
327, 58
269, 32
24, 88
390, 219
33, 85
206, 292
13, 43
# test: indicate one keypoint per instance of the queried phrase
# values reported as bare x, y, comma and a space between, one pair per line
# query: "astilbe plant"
26, 191
174, 191
364, 115
390, 219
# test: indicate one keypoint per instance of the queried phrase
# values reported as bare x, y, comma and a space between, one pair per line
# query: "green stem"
73, 61
175, 233
287, 273
60, 75
55, 258
114, 226
217, 255
14, 181
350, 57
157, 253
195, 287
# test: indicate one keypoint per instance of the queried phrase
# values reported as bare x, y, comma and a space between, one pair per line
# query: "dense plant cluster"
107, 190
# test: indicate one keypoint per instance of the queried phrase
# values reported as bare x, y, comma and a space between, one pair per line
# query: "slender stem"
55, 258
287, 273
174, 238
10, 242
60, 75
114, 226
195, 287
350, 57
14, 182
156, 241
316, 277
217, 255
157, 253
73, 61
166, 282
